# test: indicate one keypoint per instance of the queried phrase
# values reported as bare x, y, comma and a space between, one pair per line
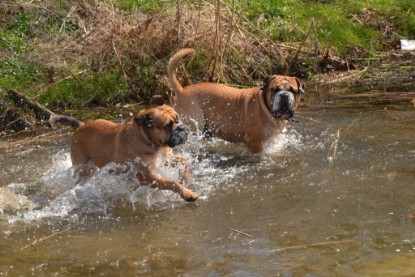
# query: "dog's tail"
171, 70
63, 119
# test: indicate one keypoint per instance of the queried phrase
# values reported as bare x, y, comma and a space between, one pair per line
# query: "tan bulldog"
252, 115
138, 142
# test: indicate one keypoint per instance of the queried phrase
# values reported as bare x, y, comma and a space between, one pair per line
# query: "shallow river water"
334, 196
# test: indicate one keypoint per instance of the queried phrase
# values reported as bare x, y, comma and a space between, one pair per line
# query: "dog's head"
161, 126
282, 95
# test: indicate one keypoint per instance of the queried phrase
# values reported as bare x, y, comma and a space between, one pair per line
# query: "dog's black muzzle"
179, 136
283, 106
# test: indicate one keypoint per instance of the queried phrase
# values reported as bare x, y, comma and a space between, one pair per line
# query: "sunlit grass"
335, 24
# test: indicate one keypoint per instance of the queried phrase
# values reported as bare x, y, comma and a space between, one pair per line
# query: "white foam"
56, 195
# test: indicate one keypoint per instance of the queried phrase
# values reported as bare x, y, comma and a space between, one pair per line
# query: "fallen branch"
356, 75
36, 241
12, 118
41, 112
240, 232
310, 245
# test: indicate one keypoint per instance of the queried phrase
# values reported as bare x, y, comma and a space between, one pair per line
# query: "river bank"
80, 55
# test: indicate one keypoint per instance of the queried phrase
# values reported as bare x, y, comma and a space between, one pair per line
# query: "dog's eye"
169, 126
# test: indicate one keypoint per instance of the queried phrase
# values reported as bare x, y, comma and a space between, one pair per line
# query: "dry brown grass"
230, 49
110, 39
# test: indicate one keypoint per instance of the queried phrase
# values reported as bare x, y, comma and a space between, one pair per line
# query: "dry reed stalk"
331, 157
356, 75
240, 232
276, 47
120, 62
334, 145
178, 17
310, 245
216, 44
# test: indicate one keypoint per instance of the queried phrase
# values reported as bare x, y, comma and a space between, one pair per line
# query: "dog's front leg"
83, 172
165, 184
185, 172
175, 160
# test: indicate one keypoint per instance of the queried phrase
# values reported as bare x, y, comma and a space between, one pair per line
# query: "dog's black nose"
182, 128
179, 135
285, 100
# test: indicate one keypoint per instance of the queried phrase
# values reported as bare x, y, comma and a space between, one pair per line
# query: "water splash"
215, 165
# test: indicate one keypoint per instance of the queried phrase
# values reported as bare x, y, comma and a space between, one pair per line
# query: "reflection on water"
333, 196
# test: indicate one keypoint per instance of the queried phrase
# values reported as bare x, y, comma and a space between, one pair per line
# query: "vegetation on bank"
83, 53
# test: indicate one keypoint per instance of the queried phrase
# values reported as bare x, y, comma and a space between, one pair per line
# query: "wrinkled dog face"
282, 95
162, 126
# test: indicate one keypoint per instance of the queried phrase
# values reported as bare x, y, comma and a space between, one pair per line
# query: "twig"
240, 232
217, 240
309, 245
120, 62
36, 241
60, 80
67, 17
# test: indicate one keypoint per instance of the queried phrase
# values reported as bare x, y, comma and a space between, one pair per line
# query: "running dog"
138, 142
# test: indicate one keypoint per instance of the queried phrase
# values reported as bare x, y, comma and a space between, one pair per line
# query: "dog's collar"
142, 140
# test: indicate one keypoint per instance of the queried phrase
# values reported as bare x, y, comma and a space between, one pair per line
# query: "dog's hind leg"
84, 168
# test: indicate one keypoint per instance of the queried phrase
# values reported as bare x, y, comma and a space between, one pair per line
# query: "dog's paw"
188, 195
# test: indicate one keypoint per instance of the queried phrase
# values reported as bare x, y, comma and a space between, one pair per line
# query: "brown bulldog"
150, 132
252, 115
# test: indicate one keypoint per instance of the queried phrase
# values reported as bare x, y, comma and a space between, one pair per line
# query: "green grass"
92, 90
331, 21
144, 6
15, 70
16, 73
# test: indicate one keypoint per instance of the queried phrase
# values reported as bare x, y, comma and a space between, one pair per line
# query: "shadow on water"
332, 196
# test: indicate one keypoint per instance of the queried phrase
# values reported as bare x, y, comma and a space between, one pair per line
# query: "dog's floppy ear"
144, 119
157, 100
266, 81
301, 85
